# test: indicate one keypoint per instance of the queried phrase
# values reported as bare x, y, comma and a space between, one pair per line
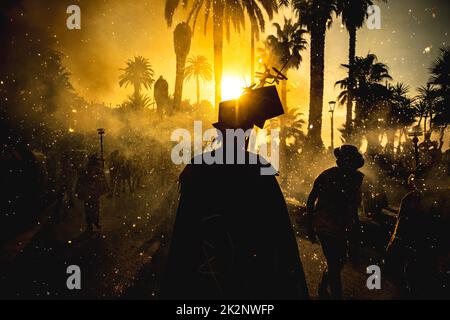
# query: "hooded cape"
232, 238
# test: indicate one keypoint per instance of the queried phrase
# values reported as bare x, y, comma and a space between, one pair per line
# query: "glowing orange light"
232, 87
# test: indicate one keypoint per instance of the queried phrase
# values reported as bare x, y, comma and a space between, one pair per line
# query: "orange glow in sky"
232, 87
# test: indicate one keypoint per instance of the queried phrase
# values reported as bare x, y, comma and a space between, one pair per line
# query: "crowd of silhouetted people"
417, 253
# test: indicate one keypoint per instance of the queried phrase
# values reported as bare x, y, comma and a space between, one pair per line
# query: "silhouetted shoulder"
358, 176
330, 171
335, 171
327, 174
254, 165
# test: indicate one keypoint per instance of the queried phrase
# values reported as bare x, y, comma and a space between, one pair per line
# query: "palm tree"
135, 102
353, 13
440, 71
54, 80
284, 50
293, 123
401, 113
224, 13
182, 36
428, 95
198, 68
370, 94
368, 88
254, 10
292, 139
316, 15
421, 110
440, 76
138, 73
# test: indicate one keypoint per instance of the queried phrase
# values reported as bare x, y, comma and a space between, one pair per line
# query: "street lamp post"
332, 106
101, 132
415, 133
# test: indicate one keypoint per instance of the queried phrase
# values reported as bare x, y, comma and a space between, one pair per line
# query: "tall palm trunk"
137, 89
182, 44
218, 7
284, 94
316, 86
420, 120
283, 156
351, 62
360, 106
137, 94
252, 55
431, 119
179, 79
425, 126
441, 136
197, 80
390, 147
400, 134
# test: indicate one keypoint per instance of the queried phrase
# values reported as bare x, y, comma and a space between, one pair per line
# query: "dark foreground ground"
125, 258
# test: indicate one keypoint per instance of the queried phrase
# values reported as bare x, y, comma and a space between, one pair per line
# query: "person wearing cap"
232, 237
91, 186
332, 210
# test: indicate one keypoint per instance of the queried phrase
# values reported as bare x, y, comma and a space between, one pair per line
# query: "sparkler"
267, 77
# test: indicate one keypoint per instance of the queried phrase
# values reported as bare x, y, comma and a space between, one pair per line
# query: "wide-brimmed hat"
348, 156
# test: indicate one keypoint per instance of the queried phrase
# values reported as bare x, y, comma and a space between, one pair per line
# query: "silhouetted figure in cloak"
232, 238
90, 187
332, 209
